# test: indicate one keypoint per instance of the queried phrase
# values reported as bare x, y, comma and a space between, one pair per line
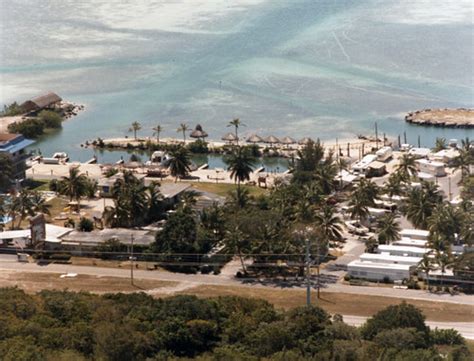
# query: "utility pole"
319, 259
308, 275
376, 136
131, 260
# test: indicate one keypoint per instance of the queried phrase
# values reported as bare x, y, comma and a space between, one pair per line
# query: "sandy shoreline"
443, 117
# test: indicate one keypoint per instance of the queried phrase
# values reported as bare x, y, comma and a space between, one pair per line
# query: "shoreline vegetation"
347, 147
14, 119
451, 118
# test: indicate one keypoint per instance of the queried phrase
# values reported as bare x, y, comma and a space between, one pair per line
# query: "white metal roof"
380, 258
379, 265
409, 232
411, 242
22, 233
404, 249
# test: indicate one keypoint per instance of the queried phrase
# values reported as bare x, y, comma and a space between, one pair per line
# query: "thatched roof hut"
271, 139
254, 138
230, 137
41, 102
288, 140
198, 132
305, 140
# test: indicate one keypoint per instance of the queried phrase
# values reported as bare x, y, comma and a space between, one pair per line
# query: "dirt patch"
348, 304
34, 282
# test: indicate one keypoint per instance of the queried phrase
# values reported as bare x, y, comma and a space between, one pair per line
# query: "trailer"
431, 167
384, 154
375, 271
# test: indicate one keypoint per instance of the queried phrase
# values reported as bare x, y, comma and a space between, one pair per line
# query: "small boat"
61, 155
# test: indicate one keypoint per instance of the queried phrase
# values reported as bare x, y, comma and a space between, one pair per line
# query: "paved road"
466, 329
9, 263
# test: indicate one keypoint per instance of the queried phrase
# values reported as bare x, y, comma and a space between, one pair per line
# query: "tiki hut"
305, 141
198, 133
254, 138
48, 100
271, 139
230, 137
288, 140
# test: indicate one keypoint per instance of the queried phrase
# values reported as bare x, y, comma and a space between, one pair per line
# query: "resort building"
14, 147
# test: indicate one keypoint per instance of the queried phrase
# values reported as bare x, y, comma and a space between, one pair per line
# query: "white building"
362, 165
407, 251
386, 258
419, 152
376, 271
384, 153
414, 233
431, 167
446, 156
408, 242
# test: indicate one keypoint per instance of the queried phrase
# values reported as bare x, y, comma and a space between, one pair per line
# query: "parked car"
355, 227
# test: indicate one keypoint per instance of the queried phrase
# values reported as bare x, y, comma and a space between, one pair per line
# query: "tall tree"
465, 159
136, 126
406, 166
179, 163
236, 123
20, 207
440, 144
75, 185
240, 164
329, 225
6, 172
420, 204
183, 128
157, 131
426, 266
388, 228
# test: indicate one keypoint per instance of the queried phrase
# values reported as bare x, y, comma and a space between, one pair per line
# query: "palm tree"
136, 126
240, 164
179, 163
183, 128
419, 207
38, 203
358, 206
20, 207
393, 186
445, 260
465, 158
388, 228
157, 131
426, 266
6, 174
406, 166
236, 241
329, 225
236, 123
440, 144
75, 185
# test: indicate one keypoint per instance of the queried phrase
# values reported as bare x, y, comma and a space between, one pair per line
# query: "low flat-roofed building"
87, 240
375, 271
402, 250
362, 165
409, 242
431, 167
22, 237
385, 258
13, 146
419, 152
414, 233
376, 169
446, 156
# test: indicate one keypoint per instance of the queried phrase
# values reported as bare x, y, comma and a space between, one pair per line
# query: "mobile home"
431, 167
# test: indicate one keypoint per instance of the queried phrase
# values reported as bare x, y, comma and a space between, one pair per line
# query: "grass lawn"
35, 282
343, 303
37, 184
223, 189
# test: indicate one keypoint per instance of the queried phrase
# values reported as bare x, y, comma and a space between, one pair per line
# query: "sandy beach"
6, 121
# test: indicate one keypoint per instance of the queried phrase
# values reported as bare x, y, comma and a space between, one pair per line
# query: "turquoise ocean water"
319, 68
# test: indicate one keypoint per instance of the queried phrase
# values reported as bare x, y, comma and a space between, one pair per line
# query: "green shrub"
50, 119
446, 337
85, 225
11, 110
198, 147
30, 128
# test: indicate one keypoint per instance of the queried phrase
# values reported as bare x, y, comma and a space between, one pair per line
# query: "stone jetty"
455, 118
